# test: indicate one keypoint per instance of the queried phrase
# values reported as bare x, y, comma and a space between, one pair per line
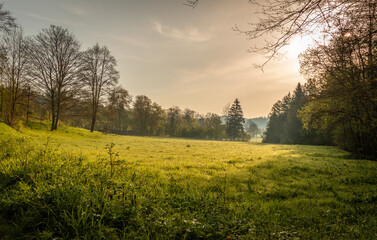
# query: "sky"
175, 55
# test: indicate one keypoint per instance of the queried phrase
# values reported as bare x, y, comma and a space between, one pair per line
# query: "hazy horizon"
175, 55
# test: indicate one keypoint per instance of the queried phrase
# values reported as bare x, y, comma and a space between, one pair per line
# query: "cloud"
77, 11
52, 20
140, 42
74, 9
188, 35
216, 70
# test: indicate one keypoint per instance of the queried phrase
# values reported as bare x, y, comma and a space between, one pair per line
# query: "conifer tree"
235, 121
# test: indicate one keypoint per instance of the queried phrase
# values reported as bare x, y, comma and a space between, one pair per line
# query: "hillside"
67, 184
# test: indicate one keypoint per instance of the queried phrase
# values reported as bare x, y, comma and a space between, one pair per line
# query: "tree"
141, 114
56, 62
293, 132
157, 118
252, 128
173, 121
147, 116
99, 76
15, 69
7, 22
215, 129
235, 121
119, 102
278, 118
342, 80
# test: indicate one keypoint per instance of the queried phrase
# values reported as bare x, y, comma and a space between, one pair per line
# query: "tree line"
47, 76
338, 103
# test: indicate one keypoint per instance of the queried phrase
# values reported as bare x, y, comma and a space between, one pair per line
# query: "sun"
298, 45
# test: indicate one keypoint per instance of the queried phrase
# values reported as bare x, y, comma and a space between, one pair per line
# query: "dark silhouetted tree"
99, 76
15, 70
342, 81
56, 61
293, 132
278, 118
235, 121
7, 22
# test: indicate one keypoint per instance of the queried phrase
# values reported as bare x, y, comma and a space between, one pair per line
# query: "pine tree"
293, 132
235, 121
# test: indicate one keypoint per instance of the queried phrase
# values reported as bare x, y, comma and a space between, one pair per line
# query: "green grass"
60, 185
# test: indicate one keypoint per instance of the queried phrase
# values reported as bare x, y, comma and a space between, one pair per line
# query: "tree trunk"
58, 108
52, 114
28, 107
1, 100
94, 118
53, 122
13, 110
57, 118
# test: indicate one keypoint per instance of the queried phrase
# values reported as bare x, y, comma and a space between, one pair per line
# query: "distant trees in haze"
252, 128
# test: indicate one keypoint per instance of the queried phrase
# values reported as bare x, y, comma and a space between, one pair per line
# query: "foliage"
286, 127
342, 81
235, 121
163, 189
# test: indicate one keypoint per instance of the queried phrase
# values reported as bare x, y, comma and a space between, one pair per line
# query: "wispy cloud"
188, 35
216, 70
140, 42
52, 20
77, 11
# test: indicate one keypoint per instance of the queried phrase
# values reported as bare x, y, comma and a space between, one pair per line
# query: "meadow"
73, 184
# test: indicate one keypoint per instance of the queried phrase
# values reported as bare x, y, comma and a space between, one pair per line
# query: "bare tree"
56, 62
15, 70
7, 22
99, 76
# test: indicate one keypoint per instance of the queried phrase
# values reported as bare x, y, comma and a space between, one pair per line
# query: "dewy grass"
61, 186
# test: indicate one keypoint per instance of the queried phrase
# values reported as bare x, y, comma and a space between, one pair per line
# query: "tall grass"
63, 187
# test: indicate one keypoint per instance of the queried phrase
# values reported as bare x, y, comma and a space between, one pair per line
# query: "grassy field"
76, 184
